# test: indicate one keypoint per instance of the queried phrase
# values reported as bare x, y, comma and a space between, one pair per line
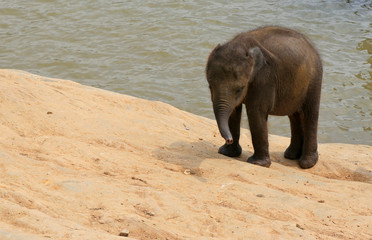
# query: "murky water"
158, 49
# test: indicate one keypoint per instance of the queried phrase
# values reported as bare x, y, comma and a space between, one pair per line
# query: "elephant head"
230, 70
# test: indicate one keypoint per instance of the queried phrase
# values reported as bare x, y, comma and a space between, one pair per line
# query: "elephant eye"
239, 90
235, 75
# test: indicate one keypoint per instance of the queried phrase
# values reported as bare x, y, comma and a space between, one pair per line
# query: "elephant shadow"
278, 157
188, 156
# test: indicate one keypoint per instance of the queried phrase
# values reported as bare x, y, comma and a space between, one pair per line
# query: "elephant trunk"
222, 113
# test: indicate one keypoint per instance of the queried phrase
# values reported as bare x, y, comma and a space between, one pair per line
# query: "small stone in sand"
299, 226
124, 233
151, 214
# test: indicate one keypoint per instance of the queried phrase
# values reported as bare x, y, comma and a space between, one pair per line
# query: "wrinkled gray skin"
274, 71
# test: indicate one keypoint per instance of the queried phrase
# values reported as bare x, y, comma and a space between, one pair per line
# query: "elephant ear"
256, 60
216, 48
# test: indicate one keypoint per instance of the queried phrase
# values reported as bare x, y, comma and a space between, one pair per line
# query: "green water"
157, 50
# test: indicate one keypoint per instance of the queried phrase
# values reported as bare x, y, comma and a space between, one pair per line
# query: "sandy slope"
83, 163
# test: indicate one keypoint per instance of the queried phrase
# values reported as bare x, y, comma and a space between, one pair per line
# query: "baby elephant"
272, 70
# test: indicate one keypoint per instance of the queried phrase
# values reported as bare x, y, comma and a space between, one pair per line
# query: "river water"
158, 49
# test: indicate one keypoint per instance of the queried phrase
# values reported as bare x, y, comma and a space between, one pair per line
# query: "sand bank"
78, 162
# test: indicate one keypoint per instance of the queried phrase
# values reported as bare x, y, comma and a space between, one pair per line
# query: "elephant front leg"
234, 149
259, 132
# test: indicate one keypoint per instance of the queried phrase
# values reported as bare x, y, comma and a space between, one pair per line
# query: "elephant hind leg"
309, 156
309, 120
294, 150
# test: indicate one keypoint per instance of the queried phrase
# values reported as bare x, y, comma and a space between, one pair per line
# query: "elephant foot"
264, 162
293, 152
308, 161
230, 150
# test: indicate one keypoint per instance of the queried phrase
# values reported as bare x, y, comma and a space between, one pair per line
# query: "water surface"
158, 49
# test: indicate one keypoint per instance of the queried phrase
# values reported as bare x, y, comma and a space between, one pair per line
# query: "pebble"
124, 233
151, 214
299, 226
